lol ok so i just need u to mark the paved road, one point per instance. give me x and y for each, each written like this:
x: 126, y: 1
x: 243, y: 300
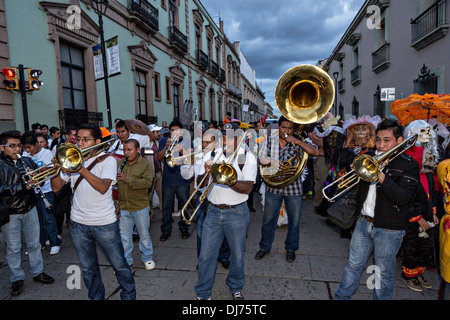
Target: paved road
x: 314, y: 275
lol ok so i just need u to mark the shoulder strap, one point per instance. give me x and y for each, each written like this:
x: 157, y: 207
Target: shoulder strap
x: 92, y: 165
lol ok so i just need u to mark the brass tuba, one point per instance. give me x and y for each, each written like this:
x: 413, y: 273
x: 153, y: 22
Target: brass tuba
x: 304, y: 94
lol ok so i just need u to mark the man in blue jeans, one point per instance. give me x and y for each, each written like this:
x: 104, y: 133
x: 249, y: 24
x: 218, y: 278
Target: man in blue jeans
x: 227, y: 216
x: 93, y: 220
x: 173, y: 183
x: 278, y: 148
x: 383, y: 206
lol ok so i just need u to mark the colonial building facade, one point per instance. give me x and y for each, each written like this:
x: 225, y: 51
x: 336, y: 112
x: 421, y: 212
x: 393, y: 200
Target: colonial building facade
x: 172, y: 60
x: 399, y: 44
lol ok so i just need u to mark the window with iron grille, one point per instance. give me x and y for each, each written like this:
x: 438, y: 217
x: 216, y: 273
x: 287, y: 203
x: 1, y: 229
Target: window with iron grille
x: 141, y: 92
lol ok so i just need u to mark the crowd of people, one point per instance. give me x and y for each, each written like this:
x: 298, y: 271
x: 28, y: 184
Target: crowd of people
x: 110, y: 200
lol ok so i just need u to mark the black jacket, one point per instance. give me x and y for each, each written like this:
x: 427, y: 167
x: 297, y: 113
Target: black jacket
x: 13, y: 191
x: 394, y: 195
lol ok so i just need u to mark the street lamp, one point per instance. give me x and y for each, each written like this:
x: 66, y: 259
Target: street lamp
x: 335, y: 76
x: 100, y: 7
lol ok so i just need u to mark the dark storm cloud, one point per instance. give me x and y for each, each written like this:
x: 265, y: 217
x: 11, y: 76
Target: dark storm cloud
x: 277, y: 35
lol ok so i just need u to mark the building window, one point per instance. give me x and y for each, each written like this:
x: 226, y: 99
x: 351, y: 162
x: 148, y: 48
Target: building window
x: 200, y: 106
x: 141, y: 89
x: 211, y: 106
x: 379, y: 107
x: 157, y: 87
x: 168, y: 96
x: 355, y: 107
x: 176, y: 101
x: 426, y: 81
x: 73, y: 80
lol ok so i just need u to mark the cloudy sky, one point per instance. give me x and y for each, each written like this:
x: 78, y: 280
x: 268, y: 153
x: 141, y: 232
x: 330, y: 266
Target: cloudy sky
x: 277, y: 35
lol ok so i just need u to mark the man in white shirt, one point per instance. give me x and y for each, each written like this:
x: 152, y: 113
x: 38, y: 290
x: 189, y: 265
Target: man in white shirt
x: 227, y: 216
x: 124, y: 133
x: 93, y: 218
x: 43, y: 157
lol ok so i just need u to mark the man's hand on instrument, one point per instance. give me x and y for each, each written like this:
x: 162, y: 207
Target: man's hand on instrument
x: 121, y: 177
x: 208, y: 165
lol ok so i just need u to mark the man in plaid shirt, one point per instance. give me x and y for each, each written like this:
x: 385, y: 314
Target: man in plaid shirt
x: 275, y: 150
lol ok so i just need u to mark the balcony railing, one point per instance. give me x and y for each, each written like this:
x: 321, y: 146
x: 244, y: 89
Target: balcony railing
x: 178, y: 39
x: 215, y: 68
x: 222, y: 75
x: 429, y: 26
x: 341, y: 85
x: 147, y: 119
x: 74, y: 117
x: 380, y: 58
x: 202, y: 59
x: 145, y: 12
x: 356, y: 76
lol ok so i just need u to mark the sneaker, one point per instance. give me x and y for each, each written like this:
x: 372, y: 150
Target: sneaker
x: 16, y: 288
x: 423, y: 282
x: 149, y: 265
x: 238, y: 296
x: 290, y: 256
x: 260, y: 254
x: 184, y: 235
x: 54, y: 250
x: 200, y: 298
x: 413, y: 284
x: 44, y: 278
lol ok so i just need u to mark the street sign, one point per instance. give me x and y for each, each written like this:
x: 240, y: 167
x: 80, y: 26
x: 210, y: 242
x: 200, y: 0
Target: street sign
x: 387, y: 94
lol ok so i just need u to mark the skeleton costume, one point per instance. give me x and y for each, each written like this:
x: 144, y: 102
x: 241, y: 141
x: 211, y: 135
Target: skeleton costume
x: 418, y: 245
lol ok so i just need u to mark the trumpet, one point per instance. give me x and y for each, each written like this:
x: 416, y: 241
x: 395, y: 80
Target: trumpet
x: 169, y: 150
x: 70, y: 158
x: 368, y: 168
x: 221, y: 173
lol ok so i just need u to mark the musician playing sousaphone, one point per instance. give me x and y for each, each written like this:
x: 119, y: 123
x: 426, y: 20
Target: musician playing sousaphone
x: 280, y: 147
x: 93, y: 218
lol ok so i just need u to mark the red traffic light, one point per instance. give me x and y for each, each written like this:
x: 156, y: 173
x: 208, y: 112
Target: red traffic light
x: 9, y: 72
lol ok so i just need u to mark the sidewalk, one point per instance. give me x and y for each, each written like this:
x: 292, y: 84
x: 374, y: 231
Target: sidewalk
x: 314, y: 275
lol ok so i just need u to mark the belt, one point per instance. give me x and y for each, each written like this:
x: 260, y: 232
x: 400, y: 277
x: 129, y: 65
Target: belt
x: 370, y: 219
x: 226, y: 206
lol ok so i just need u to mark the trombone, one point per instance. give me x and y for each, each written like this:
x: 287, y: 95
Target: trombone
x: 221, y: 173
x: 70, y: 158
x: 178, y: 161
x: 368, y: 168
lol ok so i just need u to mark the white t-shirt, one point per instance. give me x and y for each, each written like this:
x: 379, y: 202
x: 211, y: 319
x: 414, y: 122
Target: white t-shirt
x: 222, y: 194
x: 43, y: 158
x: 89, y: 206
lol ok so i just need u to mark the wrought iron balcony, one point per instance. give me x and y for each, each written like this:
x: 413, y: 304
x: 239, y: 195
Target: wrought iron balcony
x: 215, y: 68
x: 341, y: 85
x: 380, y: 58
x: 202, y: 59
x: 147, y: 119
x: 356, y: 76
x: 222, y: 75
x: 74, y: 117
x: 429, y: 26
x: 177, y: 40
x: 145, y: 14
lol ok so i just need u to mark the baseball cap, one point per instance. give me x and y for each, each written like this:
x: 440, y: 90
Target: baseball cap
x: 154, y: 127
x: 229, y: 126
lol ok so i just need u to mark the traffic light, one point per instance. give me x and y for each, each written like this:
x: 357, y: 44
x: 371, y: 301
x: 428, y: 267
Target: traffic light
x: 11, y: 81
x: 33, y: 79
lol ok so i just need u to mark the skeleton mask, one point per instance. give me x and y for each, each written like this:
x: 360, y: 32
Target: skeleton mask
x: 428, y: 162
x: 425, y: 135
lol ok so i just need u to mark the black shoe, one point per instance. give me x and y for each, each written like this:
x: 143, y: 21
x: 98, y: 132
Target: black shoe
x: 225, y: 264
x: 44, y: 278
x: 260, y: 254
x: 290, y: 256
x: 16, y: 288
x: 164, y: 237
x: 184, y: 235
x: 136, y: 237
x: 252, y: 209
x: 238, y: 296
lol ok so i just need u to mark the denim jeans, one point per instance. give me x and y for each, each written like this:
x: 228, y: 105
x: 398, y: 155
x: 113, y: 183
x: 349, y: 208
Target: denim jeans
x: 47, y: 221
x: 224, y: 253
x: 27, y: 225
x: 127, y: 221
x: 85, y: 239
x: 231, y: 223
x: 168, y: 197
x: 272, y: 206
x: 384, y: 244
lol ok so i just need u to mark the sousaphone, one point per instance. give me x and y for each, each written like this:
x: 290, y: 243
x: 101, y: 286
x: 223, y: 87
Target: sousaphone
x: 137, y: 127
x: 304, y: 94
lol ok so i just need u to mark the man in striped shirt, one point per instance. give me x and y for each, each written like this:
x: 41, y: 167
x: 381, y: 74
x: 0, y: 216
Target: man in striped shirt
x: 278, y: 148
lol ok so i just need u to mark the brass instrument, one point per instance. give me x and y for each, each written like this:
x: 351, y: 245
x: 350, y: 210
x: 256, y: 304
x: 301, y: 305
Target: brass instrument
x: 368, y: 168
x: 137, y: 127
x: 178, y: 161
x: 70, y: 158
x: 220, y: 173
x: 304, y: 94
x: 168, y: 152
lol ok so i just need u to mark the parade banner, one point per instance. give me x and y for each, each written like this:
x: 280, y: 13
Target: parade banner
x: 112, y: 58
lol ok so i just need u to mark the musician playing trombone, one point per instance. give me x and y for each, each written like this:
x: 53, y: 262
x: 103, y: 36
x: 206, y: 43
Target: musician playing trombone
x: 276, y: 149
x: 227, y: 216
x: 93, y: 220
x: 383, y: 207
x: 18, y: 197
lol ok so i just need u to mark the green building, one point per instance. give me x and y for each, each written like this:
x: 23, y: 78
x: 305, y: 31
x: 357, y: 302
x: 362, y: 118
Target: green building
x: 166, y: 58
